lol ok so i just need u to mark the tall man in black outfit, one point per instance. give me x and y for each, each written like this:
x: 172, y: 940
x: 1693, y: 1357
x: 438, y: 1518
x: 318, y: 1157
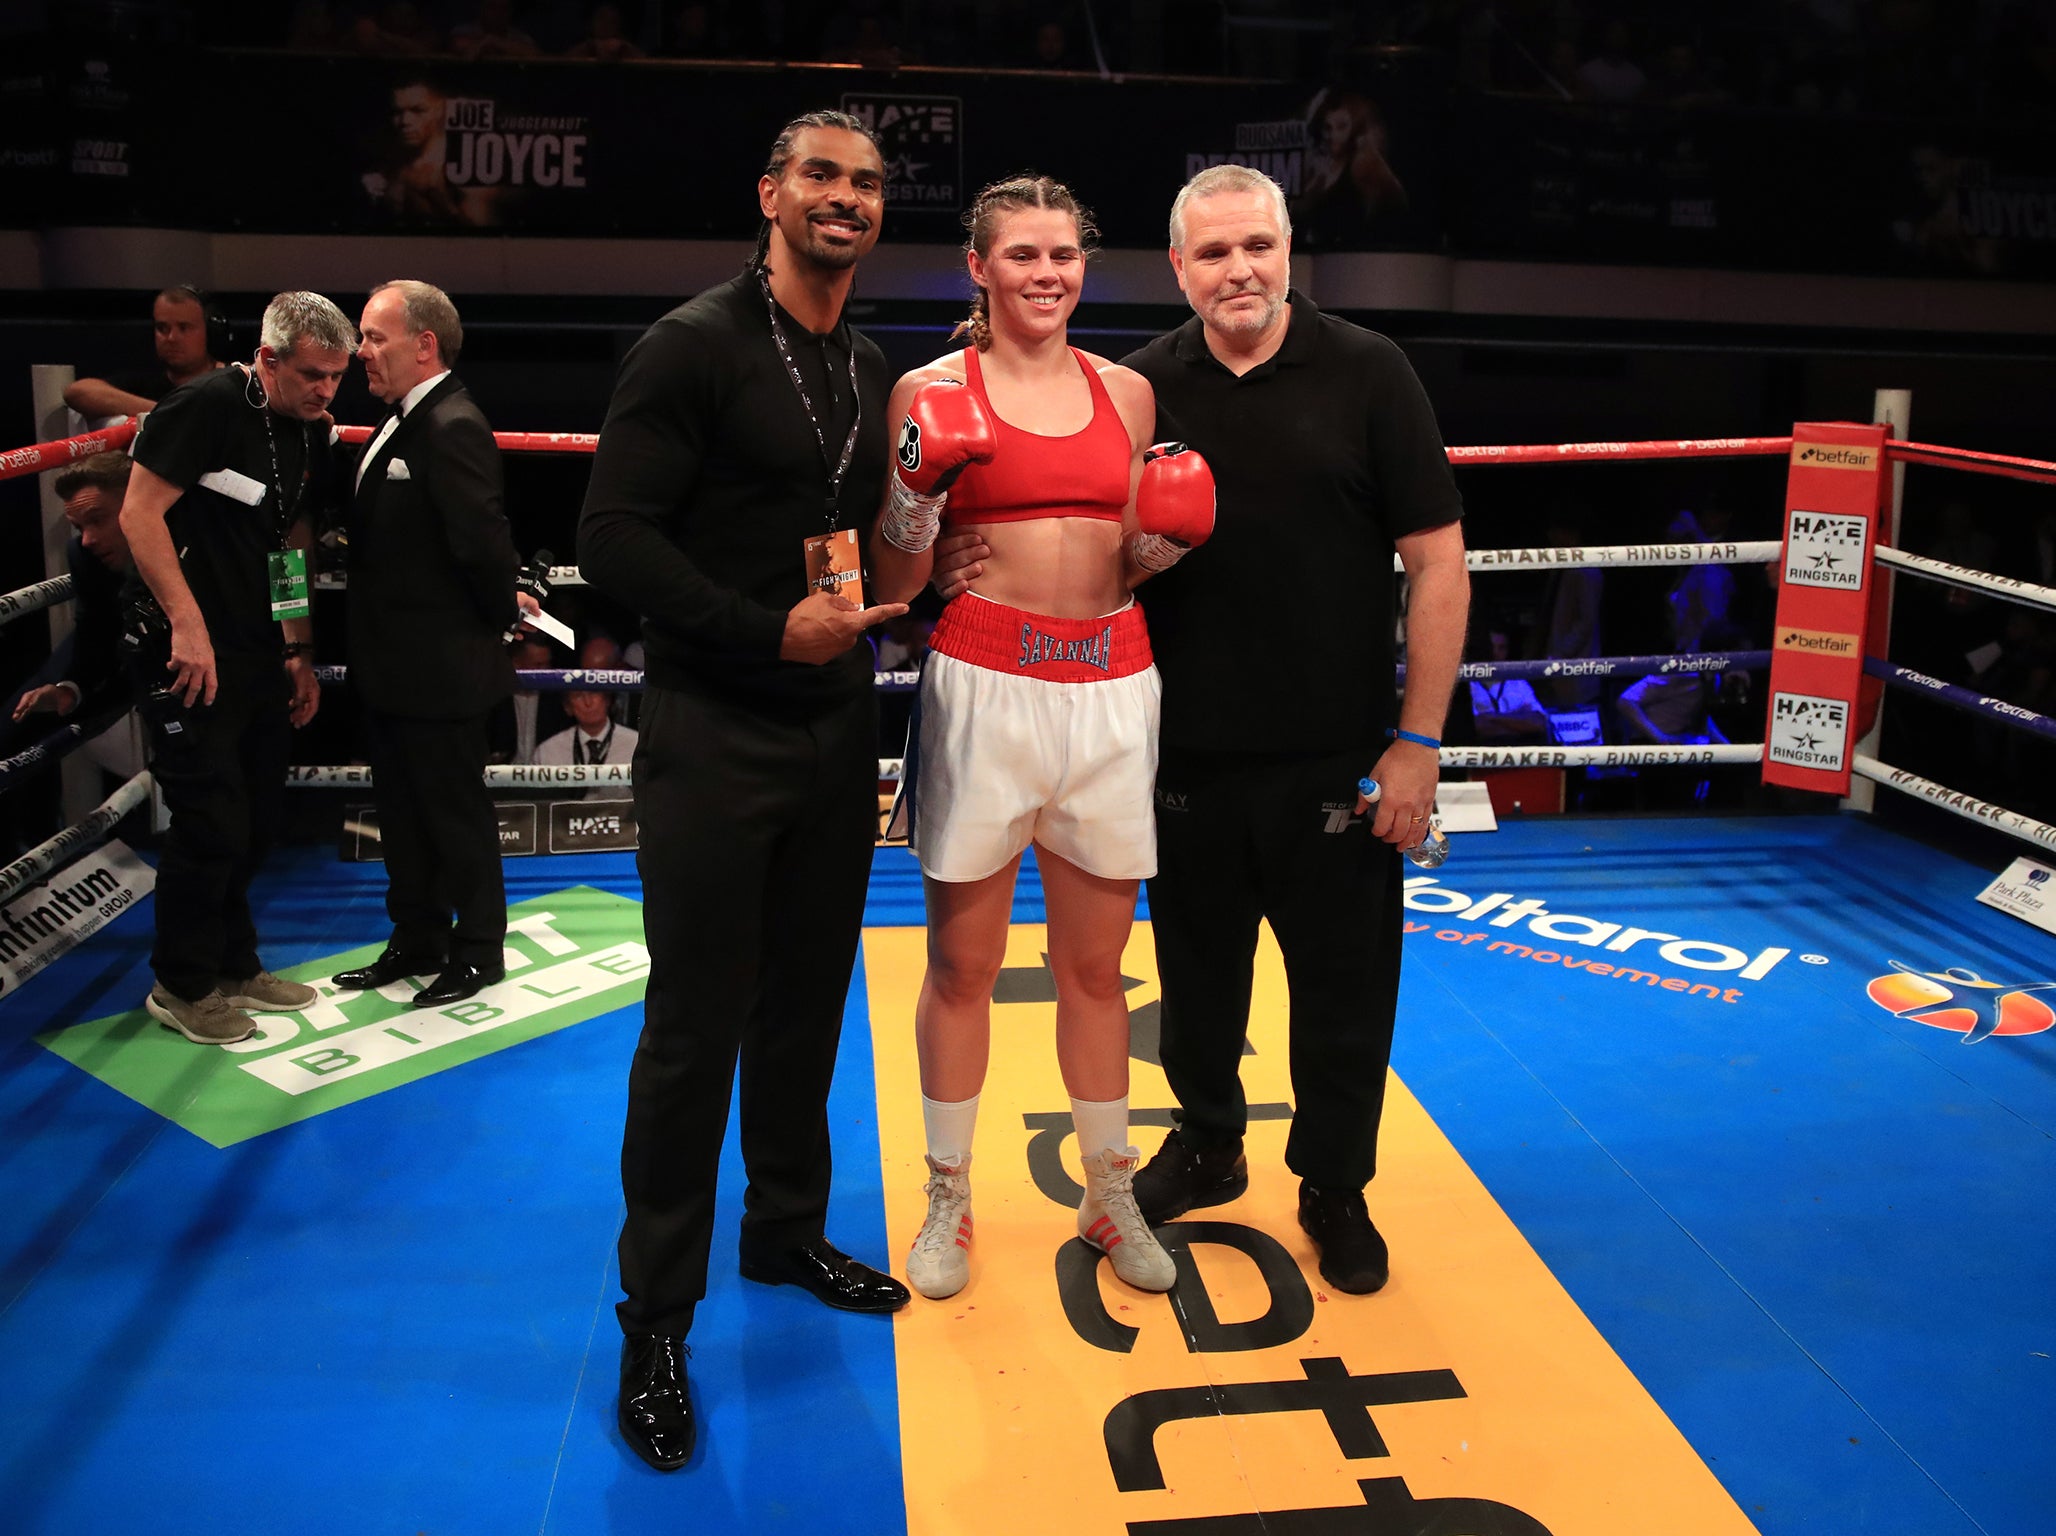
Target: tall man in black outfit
x: 432, y: 570
x: 744, y: 425
x: 1327, y: 458
x: 230, y: 471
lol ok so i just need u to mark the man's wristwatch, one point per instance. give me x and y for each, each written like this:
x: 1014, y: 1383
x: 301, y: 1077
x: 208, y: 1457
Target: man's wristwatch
x: 299, y: 648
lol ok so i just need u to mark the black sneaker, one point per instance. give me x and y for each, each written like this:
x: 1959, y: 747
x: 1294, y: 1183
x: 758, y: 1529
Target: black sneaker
x: 1353, y: 1254
x: 1181, y: 1176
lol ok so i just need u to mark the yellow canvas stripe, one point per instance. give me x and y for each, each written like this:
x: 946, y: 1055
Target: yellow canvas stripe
x: 1471, y: 1377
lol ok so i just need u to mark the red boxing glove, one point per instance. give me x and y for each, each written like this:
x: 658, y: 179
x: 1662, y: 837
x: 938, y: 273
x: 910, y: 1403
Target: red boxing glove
x: 946, y: 428
x: 1174, y: 505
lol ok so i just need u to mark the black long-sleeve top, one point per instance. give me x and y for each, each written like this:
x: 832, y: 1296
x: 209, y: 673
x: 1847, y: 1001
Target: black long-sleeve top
x: 709, y: 477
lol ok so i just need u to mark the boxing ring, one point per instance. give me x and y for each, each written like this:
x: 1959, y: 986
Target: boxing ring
x: 1713, y: 1171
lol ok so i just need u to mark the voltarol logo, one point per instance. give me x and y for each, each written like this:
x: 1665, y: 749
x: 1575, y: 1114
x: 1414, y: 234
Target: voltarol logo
x: 1499, y: 909
x: 1963, y: 1001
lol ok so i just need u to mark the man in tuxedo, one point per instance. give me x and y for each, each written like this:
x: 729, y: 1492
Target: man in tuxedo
x: 432, y: 571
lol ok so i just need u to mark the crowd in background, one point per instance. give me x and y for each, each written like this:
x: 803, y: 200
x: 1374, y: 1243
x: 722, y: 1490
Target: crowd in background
x: 1991, y: 59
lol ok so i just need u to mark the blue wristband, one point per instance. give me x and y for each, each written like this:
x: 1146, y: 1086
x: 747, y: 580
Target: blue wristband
x: 1416, y: 738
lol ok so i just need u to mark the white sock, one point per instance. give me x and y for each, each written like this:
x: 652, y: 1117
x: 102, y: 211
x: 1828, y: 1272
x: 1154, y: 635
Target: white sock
x: 949, y: 1128
x: 1101, y: 1127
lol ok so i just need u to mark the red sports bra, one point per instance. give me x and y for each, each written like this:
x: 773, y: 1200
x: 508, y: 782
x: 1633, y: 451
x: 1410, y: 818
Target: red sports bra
x: 1030, y: 476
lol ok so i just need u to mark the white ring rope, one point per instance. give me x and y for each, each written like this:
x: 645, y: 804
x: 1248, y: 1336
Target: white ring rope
x: 576, y: 775
x: 1648, y: 753
x: 2008, y: 587
x: 1570, y: 557
x: 34, y: 598
x: 1577, y: 557
x: 1967, y: 806
x: 497, y: 776
x: 74, y: 839
x: 560, y: 576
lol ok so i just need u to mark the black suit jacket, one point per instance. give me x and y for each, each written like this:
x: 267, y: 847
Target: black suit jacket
x: 432, y: 566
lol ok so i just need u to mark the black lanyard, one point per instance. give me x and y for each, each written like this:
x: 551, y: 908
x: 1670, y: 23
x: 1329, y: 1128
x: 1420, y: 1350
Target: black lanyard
x: 596, y: 751
x: 835, y: 470
x: 286, y: 512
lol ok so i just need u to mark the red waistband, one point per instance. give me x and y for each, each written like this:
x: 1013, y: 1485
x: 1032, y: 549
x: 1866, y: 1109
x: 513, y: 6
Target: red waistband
x: 992, y: 635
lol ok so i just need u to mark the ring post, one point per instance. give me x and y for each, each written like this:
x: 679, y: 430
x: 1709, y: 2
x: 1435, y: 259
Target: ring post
x: 1820, y: 700
x: 47, y: 383
x: 1892, y: 408
x: 78, y: 776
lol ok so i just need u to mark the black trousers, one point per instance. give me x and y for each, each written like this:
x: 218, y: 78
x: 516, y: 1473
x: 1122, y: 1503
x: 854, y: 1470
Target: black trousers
x: 222, y: 770
x: 440, y: 838
x: 1257, y: 836
x: 756, y: 836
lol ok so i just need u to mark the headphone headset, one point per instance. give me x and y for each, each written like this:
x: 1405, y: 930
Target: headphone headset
x: 220, y: 340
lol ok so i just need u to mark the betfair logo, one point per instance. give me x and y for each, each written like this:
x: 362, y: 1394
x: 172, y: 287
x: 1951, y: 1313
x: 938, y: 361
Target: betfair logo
x: 1833, y: 456
x: 1816, y: 642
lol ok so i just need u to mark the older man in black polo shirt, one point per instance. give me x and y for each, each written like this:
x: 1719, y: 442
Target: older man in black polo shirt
x: 1327, y: 459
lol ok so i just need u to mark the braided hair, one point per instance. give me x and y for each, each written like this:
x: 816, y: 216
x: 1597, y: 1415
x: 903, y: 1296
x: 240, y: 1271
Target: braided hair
x: 781, y: 156
x: 982, y: 221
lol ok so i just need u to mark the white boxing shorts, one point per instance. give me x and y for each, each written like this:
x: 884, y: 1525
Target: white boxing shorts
x: 1035, y: 729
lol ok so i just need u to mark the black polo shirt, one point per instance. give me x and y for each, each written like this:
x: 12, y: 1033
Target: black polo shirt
x: 1277, y: 634
x: 209, y: 439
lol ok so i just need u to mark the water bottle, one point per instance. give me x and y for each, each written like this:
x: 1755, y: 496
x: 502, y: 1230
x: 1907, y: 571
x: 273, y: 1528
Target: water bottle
x: 1433, y: 849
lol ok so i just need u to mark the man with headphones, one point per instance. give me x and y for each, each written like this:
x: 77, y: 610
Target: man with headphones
x: 192, y: 340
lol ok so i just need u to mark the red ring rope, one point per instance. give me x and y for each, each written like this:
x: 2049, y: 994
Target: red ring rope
x: 510, y: 442
x: 65, y: 450
x: 1977, y: 463
x: 1665, y: 448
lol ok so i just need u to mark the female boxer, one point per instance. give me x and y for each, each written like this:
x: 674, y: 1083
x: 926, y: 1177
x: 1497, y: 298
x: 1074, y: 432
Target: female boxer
x: 1037, y: 719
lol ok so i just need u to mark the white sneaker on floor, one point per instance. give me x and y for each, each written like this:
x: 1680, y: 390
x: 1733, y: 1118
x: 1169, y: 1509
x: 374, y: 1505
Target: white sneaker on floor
x: 940, y: 1263
x: 1111, y: 1222
x: 265, y: 992
x: 210, y: 1021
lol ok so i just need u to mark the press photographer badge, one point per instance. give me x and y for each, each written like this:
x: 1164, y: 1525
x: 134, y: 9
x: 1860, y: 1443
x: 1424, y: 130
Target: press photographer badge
x: 288, y: 571
x: 833, y: 566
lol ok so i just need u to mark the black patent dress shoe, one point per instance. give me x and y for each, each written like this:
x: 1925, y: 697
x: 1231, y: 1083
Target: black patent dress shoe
x: 655, y: 1413
x: 1182, y: 1176
x: 1353, y: 1253
x: 457, y: 982
x: 389, y: 967
x: 837, y: 1279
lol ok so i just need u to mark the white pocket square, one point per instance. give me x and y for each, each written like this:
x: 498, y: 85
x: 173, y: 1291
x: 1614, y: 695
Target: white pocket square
x: 396, y: 469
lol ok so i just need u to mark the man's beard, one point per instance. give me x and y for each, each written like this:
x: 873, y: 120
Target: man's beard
x: 818, y: 249
x: 1246, y: 323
